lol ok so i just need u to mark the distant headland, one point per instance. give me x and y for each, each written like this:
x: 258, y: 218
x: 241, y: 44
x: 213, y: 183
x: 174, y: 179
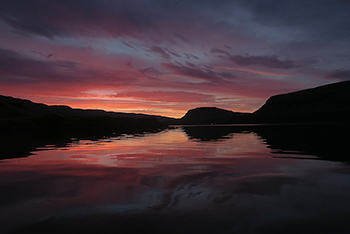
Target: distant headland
x: 323, y: 104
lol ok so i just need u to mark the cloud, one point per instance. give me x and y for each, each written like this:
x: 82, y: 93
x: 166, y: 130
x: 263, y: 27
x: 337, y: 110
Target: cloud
x: 182, y: 20
x: 173, y: 53
x: 227, y: 75
x: 127, y: 44
x: 150, y: 70
x: 159, y: 51
x: 16, y: 67
x: 152, y: 20
x: 265, y: 61
x: 169, y: 96
x: 320, y: 21
x: 190, y: 64
x: 339, y: 75
x: 65, y: 18
x: 197, y: 72
x: 189, y: 56
x: 156, y: 44
x: 215, y: 50
x: 191, y: 72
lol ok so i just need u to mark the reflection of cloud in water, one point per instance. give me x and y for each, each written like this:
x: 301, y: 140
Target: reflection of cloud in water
x: 167, y: 180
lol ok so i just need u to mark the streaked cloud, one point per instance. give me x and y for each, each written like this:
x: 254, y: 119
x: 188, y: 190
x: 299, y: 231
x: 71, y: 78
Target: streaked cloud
x: 215, y: 50
x: 265, y: 61
x: 339, y: 74
x: 159, y: 51
x: 198, y: 72
x: 166, y: 56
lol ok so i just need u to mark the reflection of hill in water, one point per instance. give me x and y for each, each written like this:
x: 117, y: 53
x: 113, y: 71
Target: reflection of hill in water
x: 20, y: 137
x: 329, y: 141
x: 209, y: 133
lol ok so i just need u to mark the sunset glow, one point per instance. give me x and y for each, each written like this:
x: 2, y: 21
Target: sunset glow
x: 166, y: 57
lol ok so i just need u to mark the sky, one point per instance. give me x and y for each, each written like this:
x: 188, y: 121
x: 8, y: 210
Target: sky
x: 164, y: 57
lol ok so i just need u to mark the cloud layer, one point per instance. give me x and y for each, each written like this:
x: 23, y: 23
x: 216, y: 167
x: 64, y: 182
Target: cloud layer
x: 165, y: 57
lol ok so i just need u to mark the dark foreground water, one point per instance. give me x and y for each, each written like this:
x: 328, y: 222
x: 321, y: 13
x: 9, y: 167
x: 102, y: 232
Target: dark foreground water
x: 228, y: 179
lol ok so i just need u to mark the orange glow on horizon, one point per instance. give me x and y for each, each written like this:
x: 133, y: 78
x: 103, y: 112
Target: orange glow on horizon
x: 138, y: 103
x: 173, y: 110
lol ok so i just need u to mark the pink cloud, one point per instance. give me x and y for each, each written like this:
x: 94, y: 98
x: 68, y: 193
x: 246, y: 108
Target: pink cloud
x: 265, y: 61
x: 169, y: 96
x: 339, y: 74
x: 159, y: 51
x: 193, y: 71
x: 159, y: 56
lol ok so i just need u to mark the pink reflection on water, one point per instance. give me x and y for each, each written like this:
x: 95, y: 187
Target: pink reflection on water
x: 168, y: 147
x: 165, y: 172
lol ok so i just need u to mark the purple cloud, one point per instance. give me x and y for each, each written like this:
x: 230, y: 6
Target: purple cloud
x: 16, y: 66
x: 339, y: 75
x: 189, y: 56
x: 159, y: 51
x: 194, y: 71
x: 103, y: 44
x: 66, y: 18
x: 150, y: 70
x: 215, y: 50
x: 265, y: 61
x: 173, y: 53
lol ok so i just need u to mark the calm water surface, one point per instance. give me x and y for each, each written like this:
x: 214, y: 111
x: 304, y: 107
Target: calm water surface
x: 182, y: 180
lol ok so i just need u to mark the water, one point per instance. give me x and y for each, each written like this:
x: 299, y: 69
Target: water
x: 228, y: 179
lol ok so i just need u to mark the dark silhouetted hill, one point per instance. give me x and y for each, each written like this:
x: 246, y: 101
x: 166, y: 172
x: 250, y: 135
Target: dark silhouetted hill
x: 328, y: 103
x: 14, y: 107
x: 323, y: 104
x: 212, y: 115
